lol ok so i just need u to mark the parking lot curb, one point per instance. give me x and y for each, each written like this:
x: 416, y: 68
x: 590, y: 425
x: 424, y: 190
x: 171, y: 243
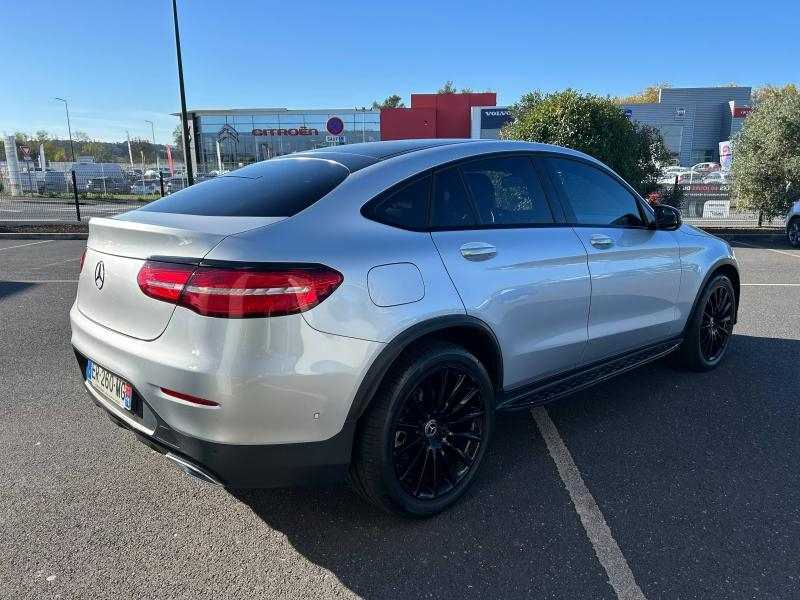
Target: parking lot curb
x: 769, y: 238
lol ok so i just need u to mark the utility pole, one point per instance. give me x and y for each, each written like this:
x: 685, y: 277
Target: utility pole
x: 155, y: 149
x: 184, y: 118
x: 69, y: 129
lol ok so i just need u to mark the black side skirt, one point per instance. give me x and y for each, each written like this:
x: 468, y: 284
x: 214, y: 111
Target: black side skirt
x: 552, y: 388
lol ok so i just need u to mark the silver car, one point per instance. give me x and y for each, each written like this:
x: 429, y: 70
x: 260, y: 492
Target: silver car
x: 363, y: 311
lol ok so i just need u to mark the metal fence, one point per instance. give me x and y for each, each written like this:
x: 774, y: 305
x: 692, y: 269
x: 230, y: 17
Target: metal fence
x: 90, y: 190
x: 87, y: 190
x: 710, y: 205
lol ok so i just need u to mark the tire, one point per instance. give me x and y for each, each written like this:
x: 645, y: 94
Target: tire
x: 422, y: 441
x: 709, y: 330
x: 793, y: 232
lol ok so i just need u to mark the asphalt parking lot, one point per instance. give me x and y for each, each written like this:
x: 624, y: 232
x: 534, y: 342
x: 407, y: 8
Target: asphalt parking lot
x: 694, y: 477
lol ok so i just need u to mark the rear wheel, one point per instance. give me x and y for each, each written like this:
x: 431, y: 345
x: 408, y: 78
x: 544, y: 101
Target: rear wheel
x: 423, y: 439
x: 709, y: 331
x: 793, y: 232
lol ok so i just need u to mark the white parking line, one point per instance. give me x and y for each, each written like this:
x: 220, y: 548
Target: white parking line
x: 23, y: 245
x: 770, y: 249
x: 774, y: 284
x: 38, y: 281
x: 620, y: 576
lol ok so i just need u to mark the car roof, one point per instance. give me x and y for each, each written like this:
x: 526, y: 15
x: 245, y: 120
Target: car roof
x: 355, y: 157
x: 358, y: 156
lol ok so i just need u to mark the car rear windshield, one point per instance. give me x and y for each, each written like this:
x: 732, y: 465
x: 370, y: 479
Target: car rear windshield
x: 273, y: 188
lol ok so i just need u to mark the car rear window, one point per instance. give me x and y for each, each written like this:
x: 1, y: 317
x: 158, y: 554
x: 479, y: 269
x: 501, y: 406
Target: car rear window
x: 273, y: 188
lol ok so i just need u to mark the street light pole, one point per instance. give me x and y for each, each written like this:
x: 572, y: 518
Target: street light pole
x: 184, y: 118
x: 69, y: 129
x: 155, y: 149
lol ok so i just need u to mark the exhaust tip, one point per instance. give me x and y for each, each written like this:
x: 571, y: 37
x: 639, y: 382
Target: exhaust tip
x: 191, y: 470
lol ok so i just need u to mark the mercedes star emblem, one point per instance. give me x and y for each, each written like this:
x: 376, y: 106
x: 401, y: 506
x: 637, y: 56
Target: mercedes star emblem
x: 99, y: 275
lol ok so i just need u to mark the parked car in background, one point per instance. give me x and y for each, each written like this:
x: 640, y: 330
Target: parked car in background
x: 107, y: 185
x: 174, y: 184
x: 720, y: 177
x: 673, y: 170
x: 364, y: 310
x: 793, y: 225
x: 146, y: 187
x: 56, y: 182
x: 669, y: 177
x: 705, y: 167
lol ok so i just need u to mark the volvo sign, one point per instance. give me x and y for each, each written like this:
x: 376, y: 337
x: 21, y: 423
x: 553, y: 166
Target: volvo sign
x: 488, y: 120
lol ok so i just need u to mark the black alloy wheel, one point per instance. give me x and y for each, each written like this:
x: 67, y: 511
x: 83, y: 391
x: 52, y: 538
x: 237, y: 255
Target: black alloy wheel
x: 422, y: 441
x: 793, y: 233
x: 717, y: 323
x: 708, y: 332
x: 438, y: 433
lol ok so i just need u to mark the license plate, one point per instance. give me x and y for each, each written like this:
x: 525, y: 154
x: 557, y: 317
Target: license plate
x: 111, y: 386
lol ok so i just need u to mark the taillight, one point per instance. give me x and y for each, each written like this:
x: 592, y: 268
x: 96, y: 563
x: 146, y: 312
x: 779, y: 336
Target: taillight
x: 237, y: 293
x: 163, y: 281
x: 83, y: 259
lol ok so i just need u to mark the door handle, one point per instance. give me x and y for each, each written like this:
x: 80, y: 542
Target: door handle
x: 600, y: 241
x: 478, y: 251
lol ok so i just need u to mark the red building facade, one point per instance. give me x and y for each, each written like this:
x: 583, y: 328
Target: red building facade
x: 433, y: 116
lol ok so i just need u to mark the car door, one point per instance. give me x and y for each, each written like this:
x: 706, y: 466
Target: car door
x: 514, y: 266
x: 635, y: 268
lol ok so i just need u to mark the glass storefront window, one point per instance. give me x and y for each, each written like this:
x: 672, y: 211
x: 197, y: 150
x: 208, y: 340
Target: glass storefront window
x: 247, y: 138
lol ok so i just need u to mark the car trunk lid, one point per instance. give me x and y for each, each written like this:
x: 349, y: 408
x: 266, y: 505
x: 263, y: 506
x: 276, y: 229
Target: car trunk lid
x: 108, y: 292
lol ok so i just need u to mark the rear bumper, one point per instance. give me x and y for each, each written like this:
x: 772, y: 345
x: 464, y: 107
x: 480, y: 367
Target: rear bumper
x: 277, y: 381
x: 235, y: 465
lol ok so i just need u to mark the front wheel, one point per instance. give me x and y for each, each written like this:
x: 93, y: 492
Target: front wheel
x: 424, y: 437
x: 708, y: 333
x: 793, y: 233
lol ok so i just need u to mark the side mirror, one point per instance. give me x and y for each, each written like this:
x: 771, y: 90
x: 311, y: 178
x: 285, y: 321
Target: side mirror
x: 668, y: 218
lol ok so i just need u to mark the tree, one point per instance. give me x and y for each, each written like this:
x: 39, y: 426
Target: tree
x: 593, y: 125
x: 767, y: 90
x: 177, y: 142
x: 448, y: 88
x: 139, y: 145
x: 100, y: 150
x: 393, y: 101
x: 649, y: 94
x: 467, y: 90
x: 80, y: 136
x: 766, y: 166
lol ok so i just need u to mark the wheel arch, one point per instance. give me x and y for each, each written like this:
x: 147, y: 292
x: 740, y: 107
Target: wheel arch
x: 725, y: 267
x: 466, y: 331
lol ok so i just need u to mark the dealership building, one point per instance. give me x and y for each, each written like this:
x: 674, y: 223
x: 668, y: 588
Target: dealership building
x: 226, y: 139
x: 236, y: 137
x: 693, y: 121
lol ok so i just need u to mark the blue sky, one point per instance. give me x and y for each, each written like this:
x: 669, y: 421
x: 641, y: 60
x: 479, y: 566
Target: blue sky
x: 114, y: 60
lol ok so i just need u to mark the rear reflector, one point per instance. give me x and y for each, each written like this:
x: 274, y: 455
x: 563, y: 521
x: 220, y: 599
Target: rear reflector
x: 83, y: 260
x: 188, y: 398
x: 239, y: 293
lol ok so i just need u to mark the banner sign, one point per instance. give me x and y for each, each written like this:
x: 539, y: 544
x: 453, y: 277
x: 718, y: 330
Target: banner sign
x: 725, y: 155
x: 169, y: 161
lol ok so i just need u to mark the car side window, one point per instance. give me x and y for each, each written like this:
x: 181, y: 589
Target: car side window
x: 595, y: 197
x: 451, y: 207
x: 506, y: 191
x: 406, y: 207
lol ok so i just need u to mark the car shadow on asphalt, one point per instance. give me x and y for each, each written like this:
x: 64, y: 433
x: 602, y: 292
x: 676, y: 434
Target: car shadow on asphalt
x: 516, y: 533
x: 9, y: 288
